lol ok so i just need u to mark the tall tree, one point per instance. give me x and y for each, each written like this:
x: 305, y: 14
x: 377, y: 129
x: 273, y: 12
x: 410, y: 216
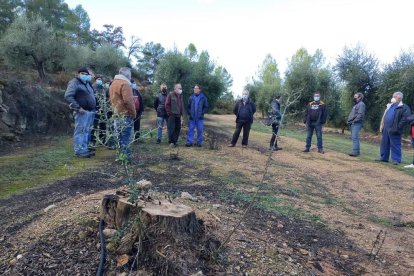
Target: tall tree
x: 53, y: 11
x: 33, y: 43
x: 148, y: 60
x: 77, y: 26
x: 110, y: 35
x: 271, y: 83
x: 360, y: 72
x: 8, y: 12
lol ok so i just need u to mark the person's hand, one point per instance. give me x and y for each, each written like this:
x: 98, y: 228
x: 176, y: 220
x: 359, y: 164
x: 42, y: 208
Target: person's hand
x: 82, y: 111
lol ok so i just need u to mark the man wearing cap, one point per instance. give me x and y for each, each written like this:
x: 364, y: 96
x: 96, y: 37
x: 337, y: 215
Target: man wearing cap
x: 81, y: 98
x: 120, y: 93
x: 315, y: 118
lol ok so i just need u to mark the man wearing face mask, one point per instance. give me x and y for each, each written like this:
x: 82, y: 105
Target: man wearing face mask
x: 355, y: 120
x: 244, y: 110
x: 392, y: 127
x: 174, y: 107
x: 80, y: 95
x: 196, y: 108
x: 315, y: 117
x: 139, y: 107
x: 159, y: 106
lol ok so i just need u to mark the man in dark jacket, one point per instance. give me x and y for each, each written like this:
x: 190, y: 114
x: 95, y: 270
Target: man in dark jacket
x: 244, y: 110
x: 411, y: 121
x: 196, y: 108
x: 174, y: 107
x: 80, y: 95
x: 355, y: 120
x: 139, y: 107
x: 159, y: 106
x: 392, y: 127
x: 315, y: 118
x: 276, y: 117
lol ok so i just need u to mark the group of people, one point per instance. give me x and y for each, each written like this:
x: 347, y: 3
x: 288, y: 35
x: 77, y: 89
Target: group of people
x: 107, y: 111
x: 96, y: 105
x: 396, y: 116
x: 89, y: 105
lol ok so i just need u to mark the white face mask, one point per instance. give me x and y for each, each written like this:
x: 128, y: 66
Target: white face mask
x: 393, y: 100
x: 180, y: 91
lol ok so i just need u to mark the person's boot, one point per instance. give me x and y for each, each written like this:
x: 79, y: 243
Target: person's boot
x: 306, y: 150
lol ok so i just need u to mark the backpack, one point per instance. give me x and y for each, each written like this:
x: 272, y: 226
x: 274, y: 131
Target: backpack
x: 137, y: 103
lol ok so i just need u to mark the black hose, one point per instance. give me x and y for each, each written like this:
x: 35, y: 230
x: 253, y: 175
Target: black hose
x: 100, y: 271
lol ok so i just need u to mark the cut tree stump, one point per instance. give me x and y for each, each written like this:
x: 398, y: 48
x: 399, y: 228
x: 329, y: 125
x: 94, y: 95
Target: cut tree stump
x: 161, y: 216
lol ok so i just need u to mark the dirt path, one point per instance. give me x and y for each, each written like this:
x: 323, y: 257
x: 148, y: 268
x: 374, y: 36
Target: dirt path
x: 316, y: 214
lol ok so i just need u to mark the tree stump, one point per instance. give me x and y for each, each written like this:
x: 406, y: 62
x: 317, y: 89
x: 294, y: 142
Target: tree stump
x: 161, y: 216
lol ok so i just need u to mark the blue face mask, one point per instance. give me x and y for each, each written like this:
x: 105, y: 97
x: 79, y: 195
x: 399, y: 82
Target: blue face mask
x: 99, y: 82
x: 245, y: 97
x: 134, y: 86
x: 85, y: 78
x: 316, y: 99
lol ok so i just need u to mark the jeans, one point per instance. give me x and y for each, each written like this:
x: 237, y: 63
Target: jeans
x: 160, y: 125
x: 318, y: 130
x: 81, y: 136
x: 355, y: 128
x: 390, y: 142
x: 246, y: 130
x: 124, y: 129
x: 174, y: 128
x: 191, y: 126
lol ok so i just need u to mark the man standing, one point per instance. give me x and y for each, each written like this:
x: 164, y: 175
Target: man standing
x: 120, y: 93
x: 139, y: 107
x: 174, y: 108
x: 355, y: 120
x: 315, y: 117
x: 392, y: 127
x: 244, y: 110
x: 80, y: 96
x: 196, y: 108
x: 276, y: 116
x: 162, y: 116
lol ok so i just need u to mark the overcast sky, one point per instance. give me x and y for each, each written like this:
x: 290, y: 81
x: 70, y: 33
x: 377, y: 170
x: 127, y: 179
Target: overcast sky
x: 238, y: 34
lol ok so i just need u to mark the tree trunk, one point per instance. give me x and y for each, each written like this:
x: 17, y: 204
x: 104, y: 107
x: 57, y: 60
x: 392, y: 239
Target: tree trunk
x: 162, y: 216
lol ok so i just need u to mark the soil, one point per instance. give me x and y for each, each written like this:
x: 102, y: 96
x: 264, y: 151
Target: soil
x: 352, y: 202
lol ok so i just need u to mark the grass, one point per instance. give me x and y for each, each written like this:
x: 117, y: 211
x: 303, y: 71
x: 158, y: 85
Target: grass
x: 40, y: 165
x: 382, y: 221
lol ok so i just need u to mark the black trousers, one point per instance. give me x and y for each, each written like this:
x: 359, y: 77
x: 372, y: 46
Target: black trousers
x: 246, y: 130
x: 273, y: 140
x: 174, y: 128
x: 137, y: 127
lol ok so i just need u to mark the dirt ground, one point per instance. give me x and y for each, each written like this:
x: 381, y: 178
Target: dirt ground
x: 316, y: 214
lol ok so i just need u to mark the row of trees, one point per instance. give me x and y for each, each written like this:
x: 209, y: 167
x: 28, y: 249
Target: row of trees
x: 355, y: 71
x: 51, y: 38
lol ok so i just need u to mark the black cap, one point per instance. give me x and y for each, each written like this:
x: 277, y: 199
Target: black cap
x: 83, y: 70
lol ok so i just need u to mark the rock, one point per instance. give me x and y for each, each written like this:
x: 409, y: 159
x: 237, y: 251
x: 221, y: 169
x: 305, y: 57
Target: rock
x: 186, y: 195
x: 19, y: 256
x: 290, y: 260
x: 303, y: 251
x: 237, y: 268
x: 200, y: 273
x: 108, y: 232
x: 284, y: 244
x: 98, y: 245
x: 143, y: 184
x: 49, y: 207
x: 280, y: 226
x: 82, y: 235
x: 216, y: 206
x: 344, y: 256
x: 12, y: 262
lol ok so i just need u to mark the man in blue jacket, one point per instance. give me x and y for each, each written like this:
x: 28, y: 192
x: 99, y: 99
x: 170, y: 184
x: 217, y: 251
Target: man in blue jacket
x: 196, y: 108
x: 81, y: 98
x: 392, y: 127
